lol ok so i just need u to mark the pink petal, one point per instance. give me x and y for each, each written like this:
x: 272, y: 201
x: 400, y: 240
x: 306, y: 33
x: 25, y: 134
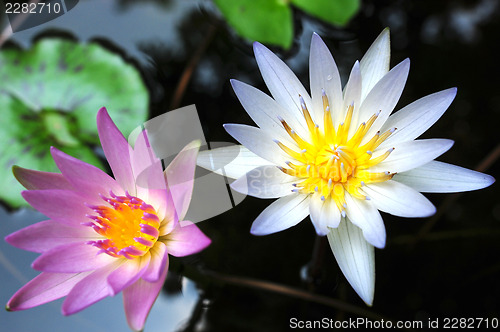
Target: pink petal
x: 44, y: 288
x: 36, y: 180
x: 159, y: 258
x: 72, y: 258
x: 64, y: 206
x: 128, y: 273
x: 46, y: 235
x: 148, y: 173
x: 91, y: 289
x: 180, y: 177
x: 86, y: 178
x: 143, y: 155
x: 157, y: 194
x: 139, y: 298
x: 186, y: 239
x: 116, y: 149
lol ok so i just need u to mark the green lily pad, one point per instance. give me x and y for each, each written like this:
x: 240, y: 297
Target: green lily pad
x: 337, y: 12
x: 50, y: 95
x: 266, y: 21
x: 270, y: 21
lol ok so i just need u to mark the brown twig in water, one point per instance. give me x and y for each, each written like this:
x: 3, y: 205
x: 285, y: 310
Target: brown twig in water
x: 188, y: 71
x: 294, y: 292
x: 7, y: 264
x: 486, y: 163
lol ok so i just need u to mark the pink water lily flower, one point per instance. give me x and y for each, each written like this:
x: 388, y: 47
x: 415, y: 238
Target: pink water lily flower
x: 107, y: 235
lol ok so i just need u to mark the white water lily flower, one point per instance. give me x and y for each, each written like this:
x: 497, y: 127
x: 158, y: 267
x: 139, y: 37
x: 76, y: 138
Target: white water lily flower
x: 339, y: 156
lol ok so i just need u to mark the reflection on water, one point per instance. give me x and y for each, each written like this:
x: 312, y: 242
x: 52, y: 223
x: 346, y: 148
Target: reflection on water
x: 147, y: 22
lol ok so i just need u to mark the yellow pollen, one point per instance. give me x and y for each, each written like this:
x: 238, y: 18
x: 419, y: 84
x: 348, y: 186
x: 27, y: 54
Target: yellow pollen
x: 129, y: 225
x: 329, y: 161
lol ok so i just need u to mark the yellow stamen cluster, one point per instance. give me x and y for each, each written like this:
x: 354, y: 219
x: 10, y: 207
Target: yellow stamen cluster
x: 329, y: 162
x: 129, y: 225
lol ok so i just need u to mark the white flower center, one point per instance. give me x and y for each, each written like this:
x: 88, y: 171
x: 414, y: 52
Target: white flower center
x: 330, y: 162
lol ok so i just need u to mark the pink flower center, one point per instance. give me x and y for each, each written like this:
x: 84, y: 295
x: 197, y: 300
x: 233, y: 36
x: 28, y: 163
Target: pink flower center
x: 129, y: 225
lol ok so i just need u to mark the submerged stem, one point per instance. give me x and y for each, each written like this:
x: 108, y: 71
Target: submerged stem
x: 294, y: 292
x: 188, y: 71
x: 314, y: 268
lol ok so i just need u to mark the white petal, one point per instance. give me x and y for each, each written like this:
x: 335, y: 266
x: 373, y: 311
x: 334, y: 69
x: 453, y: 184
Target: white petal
x: 375, y: 62
x: 284, y: 86
x: 439, y: 177
x: 324, y: 214
x: 257, y: 141
x: 409, y: 155
x: 265, y: 182
x: 364, y: 215
x: 400, y: 200
x: 356, y: 258
x: 323, y: 74
x: 383, y: 97
x: 352, y: 94
x: 265, y: 111
x: 414, y: 119
x: 231, y: 161
x: 284, y: 213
